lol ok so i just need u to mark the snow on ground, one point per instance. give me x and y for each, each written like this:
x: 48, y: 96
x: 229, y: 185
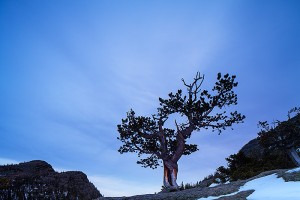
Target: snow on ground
x: 269, y: 188
x: 214, y: 184
x: 213, y: 198
x: 294, y: 170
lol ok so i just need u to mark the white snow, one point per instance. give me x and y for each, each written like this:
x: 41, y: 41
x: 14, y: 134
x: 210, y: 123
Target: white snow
x: 217, y: 184
x: 269, y: 188
x: 214, y: 184
x: 213, y: 198
x: 294, y: 170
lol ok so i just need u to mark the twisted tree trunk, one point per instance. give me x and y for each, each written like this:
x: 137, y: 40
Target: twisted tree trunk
x: 170, y: 175
x: 170, y: 164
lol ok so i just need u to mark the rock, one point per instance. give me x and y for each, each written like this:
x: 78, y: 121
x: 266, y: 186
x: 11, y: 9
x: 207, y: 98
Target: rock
x: 38, y: 180
x: 253, y: 149
x: 189, y: 194
x: 291, y: 176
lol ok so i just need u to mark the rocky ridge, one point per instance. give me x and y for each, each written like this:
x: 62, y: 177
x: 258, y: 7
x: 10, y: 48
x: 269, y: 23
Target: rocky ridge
x: 38, y: 180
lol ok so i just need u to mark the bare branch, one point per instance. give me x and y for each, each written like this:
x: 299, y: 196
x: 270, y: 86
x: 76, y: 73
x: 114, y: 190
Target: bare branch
x: 162, y: 139
x: 180, y: 144
x: 178, y: 130
x: 193, y: 92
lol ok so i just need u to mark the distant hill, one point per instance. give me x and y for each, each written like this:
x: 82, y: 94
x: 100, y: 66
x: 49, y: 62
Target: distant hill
x: 38, y: 180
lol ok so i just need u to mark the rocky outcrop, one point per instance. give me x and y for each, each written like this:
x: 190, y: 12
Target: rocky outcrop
x: 38, y: 180
x: 253, y: 149
x: 230, y: 189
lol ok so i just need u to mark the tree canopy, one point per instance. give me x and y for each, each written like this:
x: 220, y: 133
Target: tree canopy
x: 201, y: 108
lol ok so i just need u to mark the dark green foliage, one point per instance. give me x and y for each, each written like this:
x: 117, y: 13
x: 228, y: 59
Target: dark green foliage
x: 189, y: 185
x: 197, y: 103
x: 283, y: 134
x: 275, y: 140
x: 241, y: 167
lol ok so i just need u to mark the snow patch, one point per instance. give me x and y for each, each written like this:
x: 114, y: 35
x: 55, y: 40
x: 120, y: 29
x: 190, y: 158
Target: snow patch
x: 268, y: 188
x: 213, y: 198
x: 294, y: 170
x: 214, y: 184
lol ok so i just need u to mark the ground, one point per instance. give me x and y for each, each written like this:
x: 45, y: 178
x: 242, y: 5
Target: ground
x: 275, y: 185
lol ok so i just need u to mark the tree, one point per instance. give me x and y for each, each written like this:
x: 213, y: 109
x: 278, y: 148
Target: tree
x: 241, y: 167
x: 283, y: 135
x: 201, y: 110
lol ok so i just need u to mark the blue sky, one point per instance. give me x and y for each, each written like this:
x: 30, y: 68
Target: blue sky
x: 70, y: 70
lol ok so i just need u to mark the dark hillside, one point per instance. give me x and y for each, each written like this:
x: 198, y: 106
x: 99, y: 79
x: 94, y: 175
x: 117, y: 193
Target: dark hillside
x: 38, y: 180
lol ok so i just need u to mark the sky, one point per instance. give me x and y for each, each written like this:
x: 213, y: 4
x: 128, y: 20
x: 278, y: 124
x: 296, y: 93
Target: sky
x: 70, y: 70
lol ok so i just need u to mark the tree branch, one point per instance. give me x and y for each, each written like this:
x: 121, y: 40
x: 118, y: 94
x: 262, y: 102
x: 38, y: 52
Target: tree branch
x: 192, y: 85
x: 141, y: 150
x: 162, y: 140
x: 180, y: 144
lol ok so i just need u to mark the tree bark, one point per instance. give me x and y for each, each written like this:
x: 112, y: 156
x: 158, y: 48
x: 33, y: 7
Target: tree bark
x: 294, y: 156
x: 170, y: 164
x: 170, y: 175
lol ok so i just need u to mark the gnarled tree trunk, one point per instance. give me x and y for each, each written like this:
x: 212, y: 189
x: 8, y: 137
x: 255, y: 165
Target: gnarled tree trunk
x: 170, y: 164
x: 170, y: 175
x: 294, y: 156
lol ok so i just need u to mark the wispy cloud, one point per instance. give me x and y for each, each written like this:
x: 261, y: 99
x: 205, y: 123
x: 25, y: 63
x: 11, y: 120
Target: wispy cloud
x: 79, y: 72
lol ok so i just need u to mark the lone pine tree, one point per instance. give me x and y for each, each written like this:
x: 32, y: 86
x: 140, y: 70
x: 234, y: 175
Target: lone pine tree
x: 201, y: 109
